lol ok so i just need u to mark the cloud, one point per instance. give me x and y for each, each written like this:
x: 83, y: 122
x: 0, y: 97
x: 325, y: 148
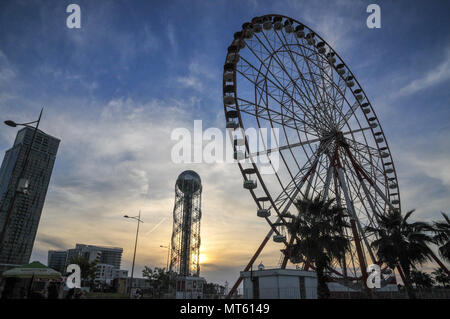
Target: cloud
x: 435, y: 76
x: 7, y: 72
x: 200, y: 74
x: 54, y: 242
x: 334, y: 22
x: 424, y: 173
x: 114, y: 160
x: 172, y: 38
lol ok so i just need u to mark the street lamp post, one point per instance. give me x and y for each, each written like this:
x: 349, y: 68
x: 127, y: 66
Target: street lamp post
x: 138, y: 218
x: 21, y: 175
x: 168, y: 252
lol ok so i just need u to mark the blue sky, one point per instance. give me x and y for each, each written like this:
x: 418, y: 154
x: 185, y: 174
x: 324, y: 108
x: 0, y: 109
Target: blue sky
x: 114, y: 89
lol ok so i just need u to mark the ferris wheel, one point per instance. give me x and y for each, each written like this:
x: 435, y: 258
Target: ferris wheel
x: 280, y: 74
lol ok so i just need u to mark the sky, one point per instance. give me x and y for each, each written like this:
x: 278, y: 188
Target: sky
x: 114, y: 90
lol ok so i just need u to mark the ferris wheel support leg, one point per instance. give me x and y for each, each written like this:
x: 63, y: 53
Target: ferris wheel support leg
x: 308, y: 186
x: 327, y: 182
x: 291, y: 240
x: 250, y: 263
x: 436, y: 259
x: 360, y: 173
x: 401, y: 273
x: 371, y: 182
x: 339, y: 204
x: 366, y: 191
x: 372, y: 206
x: 362, y: 262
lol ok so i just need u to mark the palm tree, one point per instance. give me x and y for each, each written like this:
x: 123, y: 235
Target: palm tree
x: 440, y: 276
x: 422, y: 279
x: 401, y: 243
x: 442, y: 236
x: 318, y: 228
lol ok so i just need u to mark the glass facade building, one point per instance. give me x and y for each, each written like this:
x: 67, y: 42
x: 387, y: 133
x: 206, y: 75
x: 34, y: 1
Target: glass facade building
x: 23, y: 191
x: 57, y: 260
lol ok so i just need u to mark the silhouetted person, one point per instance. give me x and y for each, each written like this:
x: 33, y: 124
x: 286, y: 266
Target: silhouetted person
x: 52, y: 291
x: 70, y: 293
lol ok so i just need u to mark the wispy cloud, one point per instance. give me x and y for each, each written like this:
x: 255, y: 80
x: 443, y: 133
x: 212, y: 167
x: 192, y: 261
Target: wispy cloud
x: 435, y: 76
x: 7, y: 72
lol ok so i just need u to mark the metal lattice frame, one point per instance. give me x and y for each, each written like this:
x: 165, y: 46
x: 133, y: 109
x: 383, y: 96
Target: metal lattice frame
x: 185, y: 245
x: 280, y: 74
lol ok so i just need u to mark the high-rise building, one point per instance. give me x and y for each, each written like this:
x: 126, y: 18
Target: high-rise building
x: 103, y: 255
x: 57, y: 260
x: 22, y: 192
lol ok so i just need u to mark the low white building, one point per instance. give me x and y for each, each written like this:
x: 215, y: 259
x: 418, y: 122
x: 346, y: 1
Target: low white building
x: 104, y: 273
x: 279, y: 284
x: 297, y: 284
x: 190, y: 287
x: 107, y: 273
x: 120, y: 273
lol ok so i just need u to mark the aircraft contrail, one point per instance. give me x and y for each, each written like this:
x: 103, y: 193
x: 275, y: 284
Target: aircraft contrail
x: 156, y: 226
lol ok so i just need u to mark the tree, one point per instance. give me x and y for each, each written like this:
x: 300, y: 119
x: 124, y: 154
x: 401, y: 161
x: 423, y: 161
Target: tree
x: 401, y: 243
x: 213, y: 290
x: 441, y: 277
x: 88, y: 269
x: 442, y: 236
x: 160, y: 279
x: 319, y: 227
x: 421, y: 279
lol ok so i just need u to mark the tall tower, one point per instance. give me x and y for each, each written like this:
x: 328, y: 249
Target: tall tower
x: 185, y: 252
x: 19, y: 219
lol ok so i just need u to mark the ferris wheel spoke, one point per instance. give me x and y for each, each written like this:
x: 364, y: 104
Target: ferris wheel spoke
x: 300, y: 73
x: 339, y: 88
x: 327, y: 182
x: 284, y: 147
x: 356, y: 225
x: 352, y: 182
x: 337, y: 105
x: 331, y: 100
x: 269, y: 114
x: 290, y: 146
x: 283, y: 68
x: 349, y: 114
x: 307, y: 59
x: 258, y: 85
x: 317, y: 88
x: 365, y: 175
x: 293, y: 188
x: 278, y: 85
x: 362, y: 151
x: 360, y: 147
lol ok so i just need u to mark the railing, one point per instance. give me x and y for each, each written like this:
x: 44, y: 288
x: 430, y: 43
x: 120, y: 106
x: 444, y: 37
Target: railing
x: 311, y: 293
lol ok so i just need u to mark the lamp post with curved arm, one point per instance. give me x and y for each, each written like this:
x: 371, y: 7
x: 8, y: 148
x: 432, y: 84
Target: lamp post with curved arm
x: 168, y: 253
x: 138, y: 219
